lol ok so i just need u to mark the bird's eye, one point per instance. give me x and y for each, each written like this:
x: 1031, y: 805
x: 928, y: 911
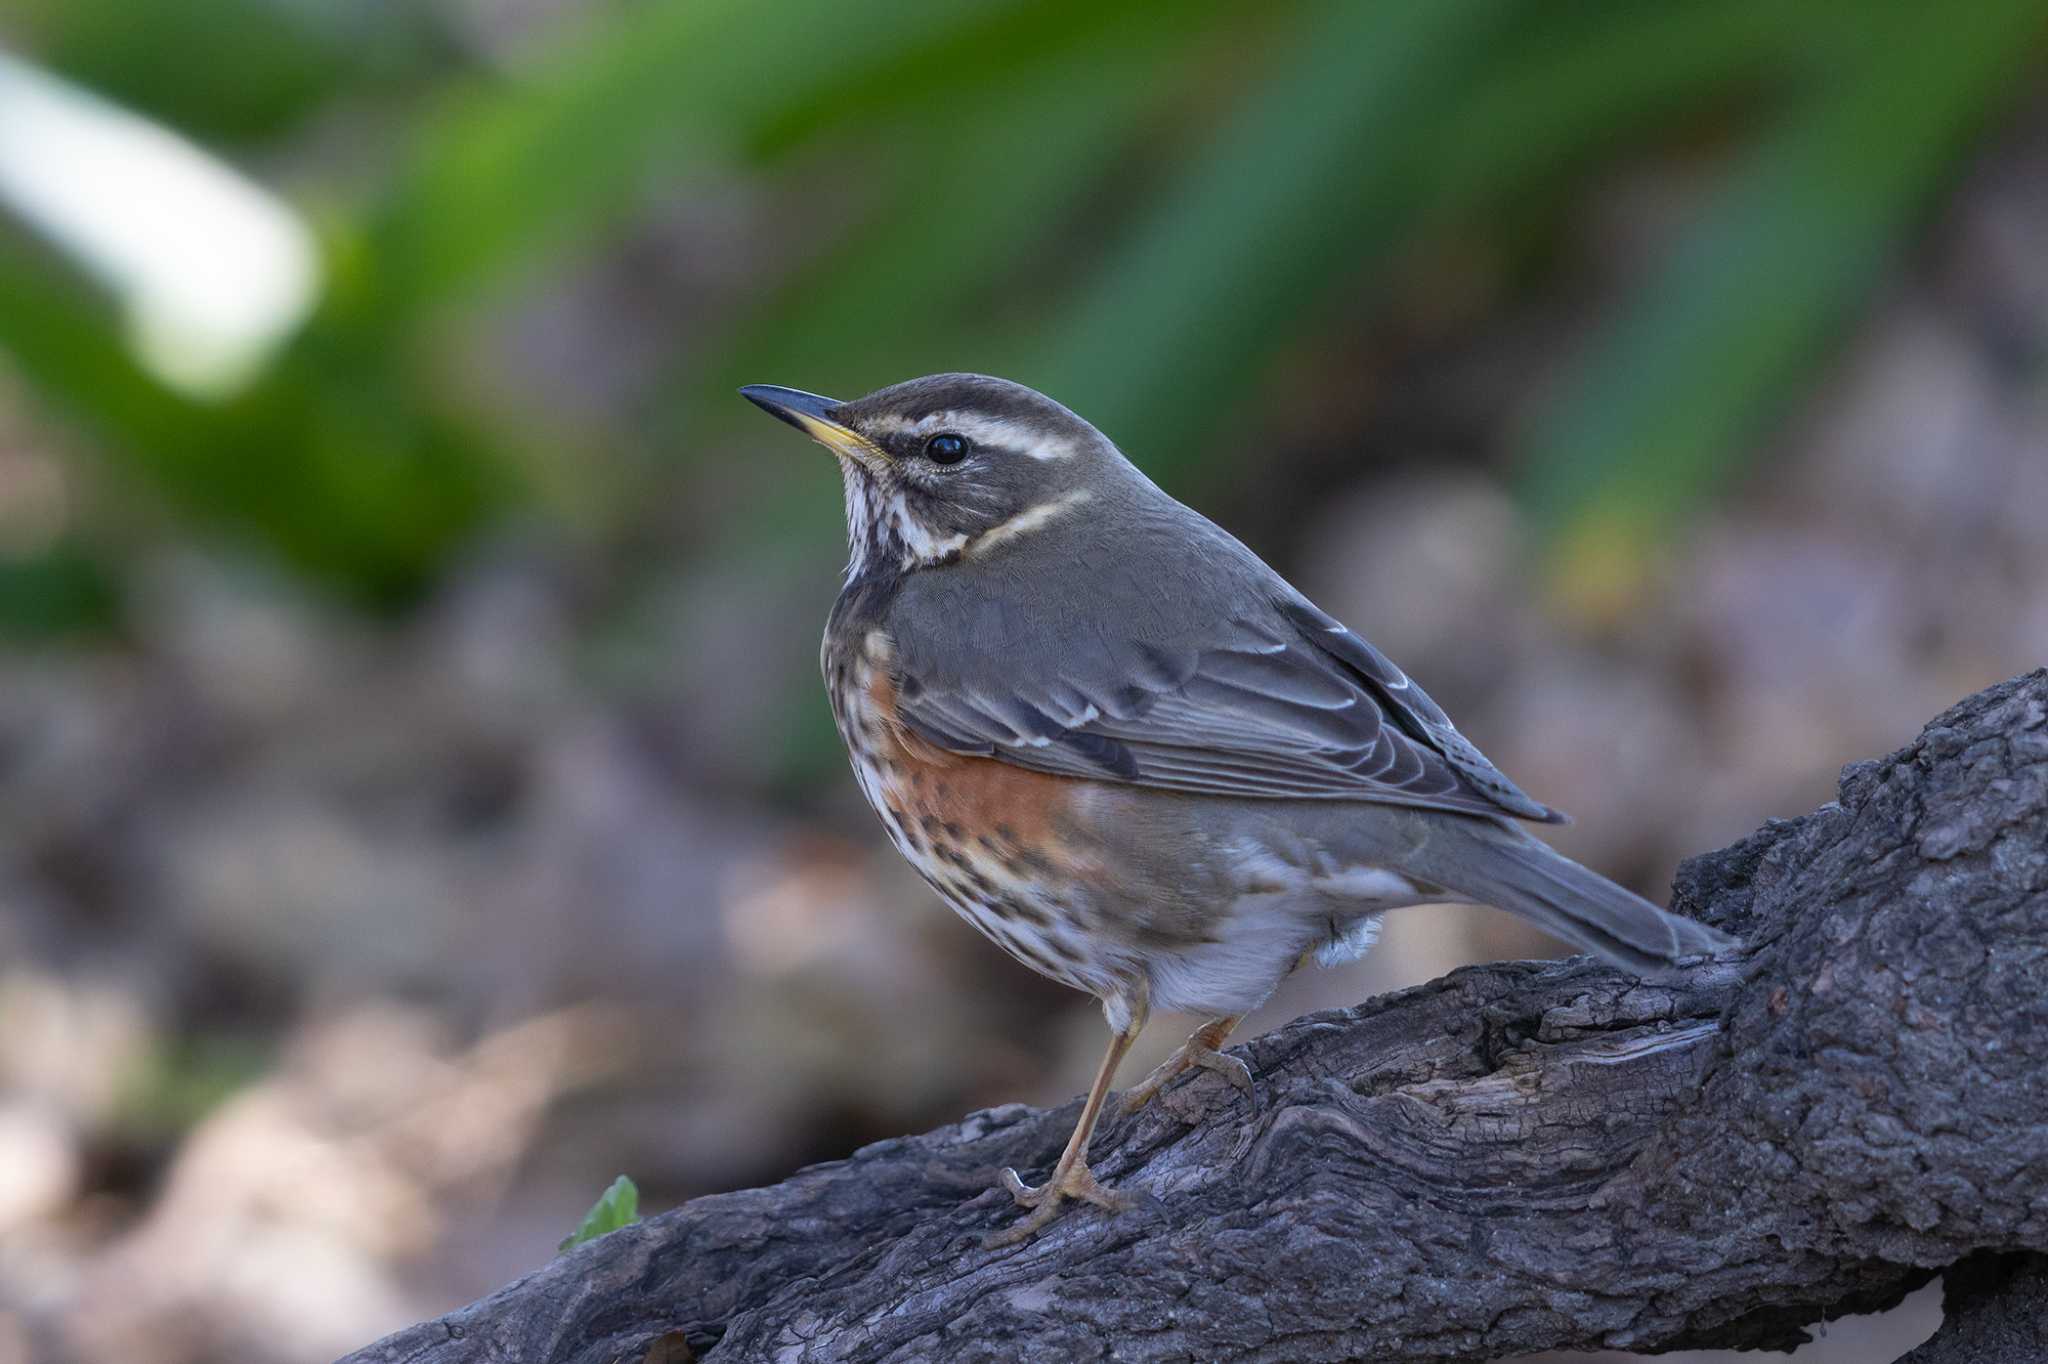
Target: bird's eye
x: 946, y: 448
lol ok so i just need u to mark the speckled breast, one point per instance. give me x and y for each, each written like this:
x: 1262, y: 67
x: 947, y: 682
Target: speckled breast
x: 992, y: 839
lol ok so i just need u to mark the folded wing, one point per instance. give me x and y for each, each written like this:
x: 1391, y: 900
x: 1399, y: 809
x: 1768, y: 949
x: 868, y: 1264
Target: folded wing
x: 1278, y: 702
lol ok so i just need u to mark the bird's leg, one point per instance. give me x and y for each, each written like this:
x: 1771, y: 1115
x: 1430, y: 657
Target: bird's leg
x: 1071, y: 1177
x: 1201, y: 1049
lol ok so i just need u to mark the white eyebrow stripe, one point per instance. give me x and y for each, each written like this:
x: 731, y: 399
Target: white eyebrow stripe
x: 982, y: 430
x: 1028, y: 520
x: 1006, y: 435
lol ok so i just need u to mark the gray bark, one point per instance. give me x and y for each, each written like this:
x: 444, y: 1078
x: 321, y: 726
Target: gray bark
x: 1517, y: 1157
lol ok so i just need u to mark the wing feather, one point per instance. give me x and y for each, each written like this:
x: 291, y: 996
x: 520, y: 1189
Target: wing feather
x: 1286, y: 703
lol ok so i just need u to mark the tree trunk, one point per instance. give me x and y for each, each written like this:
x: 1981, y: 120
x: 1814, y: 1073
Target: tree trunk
x: 1518, y: 1157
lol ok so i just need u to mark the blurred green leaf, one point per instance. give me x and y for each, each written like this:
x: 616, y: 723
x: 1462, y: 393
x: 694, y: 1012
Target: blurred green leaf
x: 55, y: 593
x: 1662, y: 408
x: 1569, y: 93
x: 508, y: 174
x: 947, y: 76
x: 227, y: 70
x: 618, y: 1206
x: 339, y: 457
x: 1293, y: 201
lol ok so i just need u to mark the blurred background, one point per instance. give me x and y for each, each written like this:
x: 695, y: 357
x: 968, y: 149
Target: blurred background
x: 418, y: 803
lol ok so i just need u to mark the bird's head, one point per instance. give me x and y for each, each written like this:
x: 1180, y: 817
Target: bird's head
x: 951, y: 466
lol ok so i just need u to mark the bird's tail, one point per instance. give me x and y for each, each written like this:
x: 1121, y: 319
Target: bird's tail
x: 1500, y: 865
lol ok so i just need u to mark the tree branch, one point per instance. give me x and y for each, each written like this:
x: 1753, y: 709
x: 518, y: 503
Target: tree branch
x: 1518, y: 1157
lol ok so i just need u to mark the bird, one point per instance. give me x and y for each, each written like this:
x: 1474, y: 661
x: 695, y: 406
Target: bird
x: 1132, y: 754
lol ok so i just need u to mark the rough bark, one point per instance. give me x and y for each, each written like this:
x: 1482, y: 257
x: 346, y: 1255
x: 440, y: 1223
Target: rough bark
x: 1518, y: 1157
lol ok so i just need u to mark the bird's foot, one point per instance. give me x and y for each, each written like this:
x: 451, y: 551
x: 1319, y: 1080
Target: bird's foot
x: 1198, y: 1051
x: 1069, y: 1181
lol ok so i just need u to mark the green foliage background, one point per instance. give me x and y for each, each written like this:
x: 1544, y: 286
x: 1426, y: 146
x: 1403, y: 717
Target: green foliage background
x: 1146, y: 208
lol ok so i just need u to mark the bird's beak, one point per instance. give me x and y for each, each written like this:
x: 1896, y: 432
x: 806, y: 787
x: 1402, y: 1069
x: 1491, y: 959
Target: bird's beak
x: 812, y: 415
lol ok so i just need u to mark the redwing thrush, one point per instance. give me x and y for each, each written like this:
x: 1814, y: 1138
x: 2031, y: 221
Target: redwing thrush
x: 1131, y: 753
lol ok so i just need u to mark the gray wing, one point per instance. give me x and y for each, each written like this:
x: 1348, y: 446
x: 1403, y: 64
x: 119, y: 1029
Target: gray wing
x: 1281, y: 701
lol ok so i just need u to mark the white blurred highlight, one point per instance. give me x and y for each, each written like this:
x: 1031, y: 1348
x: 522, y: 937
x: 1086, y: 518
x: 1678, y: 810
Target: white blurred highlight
x: 211, y: 272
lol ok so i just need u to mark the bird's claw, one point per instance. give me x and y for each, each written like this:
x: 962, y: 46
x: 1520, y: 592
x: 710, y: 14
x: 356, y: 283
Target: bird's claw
x: 1077, y: 1181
